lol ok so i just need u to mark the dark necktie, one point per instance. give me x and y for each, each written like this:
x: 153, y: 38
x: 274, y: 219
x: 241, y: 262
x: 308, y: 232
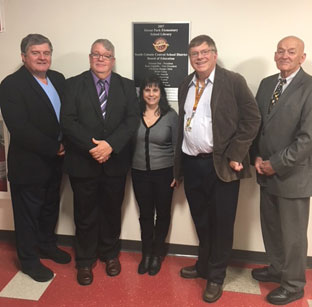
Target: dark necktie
x: 102, y: 97
x: 277, y: 93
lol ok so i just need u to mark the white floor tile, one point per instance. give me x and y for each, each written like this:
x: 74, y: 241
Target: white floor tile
x: 240, y: 280
x: 23, y: 287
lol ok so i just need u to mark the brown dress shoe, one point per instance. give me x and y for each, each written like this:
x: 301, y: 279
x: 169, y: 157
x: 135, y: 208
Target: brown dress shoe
x: 113, y: 267
x: 189, y: 272
x: 84, y: 276
x: 212, y: 292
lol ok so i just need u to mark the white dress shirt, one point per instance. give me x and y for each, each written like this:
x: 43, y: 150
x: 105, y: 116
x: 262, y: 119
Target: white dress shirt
x: 198, y: 139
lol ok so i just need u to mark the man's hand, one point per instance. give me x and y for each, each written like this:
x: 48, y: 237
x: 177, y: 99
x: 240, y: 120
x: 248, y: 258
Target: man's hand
x: 258, y: 163
x: 174, y: 183
x: 61, y: 151
x: 267, y: 168
x: 236, y: 166
x: 264, y: 167
x: 101, y: 152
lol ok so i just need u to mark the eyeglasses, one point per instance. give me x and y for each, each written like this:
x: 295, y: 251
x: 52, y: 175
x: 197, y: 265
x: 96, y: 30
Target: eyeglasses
x: 97, y: 56
x: 203, y: 53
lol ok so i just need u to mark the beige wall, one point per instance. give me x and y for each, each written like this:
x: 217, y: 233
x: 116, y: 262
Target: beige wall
x: 246, y: 33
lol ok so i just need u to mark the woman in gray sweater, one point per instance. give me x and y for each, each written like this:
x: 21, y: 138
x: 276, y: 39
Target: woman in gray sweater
x: 152, y: 171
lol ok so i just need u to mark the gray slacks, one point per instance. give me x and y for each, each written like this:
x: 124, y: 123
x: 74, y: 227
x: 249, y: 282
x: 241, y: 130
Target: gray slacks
x: 284, y: 223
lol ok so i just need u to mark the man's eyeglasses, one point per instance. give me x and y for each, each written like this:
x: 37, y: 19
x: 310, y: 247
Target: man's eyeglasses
x: 203, y: 53
x: 98, y: 56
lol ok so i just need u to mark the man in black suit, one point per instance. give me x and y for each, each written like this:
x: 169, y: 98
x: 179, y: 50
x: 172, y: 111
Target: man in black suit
x: 30, y: 102
x: 99, y: 116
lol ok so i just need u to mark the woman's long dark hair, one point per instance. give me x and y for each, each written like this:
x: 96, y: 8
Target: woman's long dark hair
x: 163, y: 106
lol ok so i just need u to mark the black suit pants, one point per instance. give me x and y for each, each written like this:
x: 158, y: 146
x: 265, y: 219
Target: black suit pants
x: 154, y: 195
x: 213, y: 206
x: 36, y: 210
x: 97, y: 215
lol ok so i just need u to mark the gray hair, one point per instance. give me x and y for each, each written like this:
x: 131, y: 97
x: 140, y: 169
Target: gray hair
x: 34, y: 39
x: 198, y: 40
x: 106, y: 44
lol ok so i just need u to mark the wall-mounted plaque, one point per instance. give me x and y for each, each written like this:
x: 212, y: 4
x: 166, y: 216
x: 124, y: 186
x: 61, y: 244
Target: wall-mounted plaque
x: 161, y: 49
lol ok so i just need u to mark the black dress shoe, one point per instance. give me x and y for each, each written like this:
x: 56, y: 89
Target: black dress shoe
x: 155, y: 265
x: 113, y: 267
x: 84, y: 276
x: 55, y: 254
x: 144, y: 264
x: 39, y: 273
x: 262, y: 274
x: 281, y: 296
x: 212, y: 292
x: 189, y: 272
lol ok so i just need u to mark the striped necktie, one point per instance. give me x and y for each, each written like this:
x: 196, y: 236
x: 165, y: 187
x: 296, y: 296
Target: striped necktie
x: 277, y: 93
x: 102, y: 97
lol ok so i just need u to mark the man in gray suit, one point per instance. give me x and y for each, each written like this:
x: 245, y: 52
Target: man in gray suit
x: 218, y: 120
x: 283, y: 160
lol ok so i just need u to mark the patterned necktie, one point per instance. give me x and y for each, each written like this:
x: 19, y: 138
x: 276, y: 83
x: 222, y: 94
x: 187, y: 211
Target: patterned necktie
x: 277, y: 93
x: 102, y: 97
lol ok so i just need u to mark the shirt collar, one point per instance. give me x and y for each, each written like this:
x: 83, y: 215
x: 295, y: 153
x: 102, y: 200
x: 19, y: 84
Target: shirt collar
x: 290, y: 77
x: 209, y: 79
x: 96, y: 78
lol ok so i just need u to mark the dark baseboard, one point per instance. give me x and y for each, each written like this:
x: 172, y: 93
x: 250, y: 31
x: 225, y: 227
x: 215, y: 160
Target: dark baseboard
x: 7, y: 235
x: 191, y: 250
x: 241, y: 256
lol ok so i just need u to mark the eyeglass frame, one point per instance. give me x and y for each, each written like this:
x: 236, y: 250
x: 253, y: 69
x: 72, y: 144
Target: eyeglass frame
x: 203, y: 53
x: 97, y: 56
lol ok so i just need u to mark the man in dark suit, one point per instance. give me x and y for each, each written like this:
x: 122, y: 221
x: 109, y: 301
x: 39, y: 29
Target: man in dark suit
x: 99, y: 116
x: 30, y: 102
x: 283, y: 160
x: 218, y: 120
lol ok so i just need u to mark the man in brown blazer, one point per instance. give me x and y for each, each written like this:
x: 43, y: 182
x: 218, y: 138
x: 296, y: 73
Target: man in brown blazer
x: 283, y: 160
x: 218, y: 120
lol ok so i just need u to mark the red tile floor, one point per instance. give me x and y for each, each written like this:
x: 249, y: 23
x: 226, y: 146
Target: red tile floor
x: 129, y: 289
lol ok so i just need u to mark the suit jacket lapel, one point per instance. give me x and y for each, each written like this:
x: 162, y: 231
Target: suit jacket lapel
x: 113, y: 92
x: 38, y: 89
x: 92, y: 94
x: 283, y: 100
x: 183, y: 92
x: 216, y: 90
x: 267, y: 100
